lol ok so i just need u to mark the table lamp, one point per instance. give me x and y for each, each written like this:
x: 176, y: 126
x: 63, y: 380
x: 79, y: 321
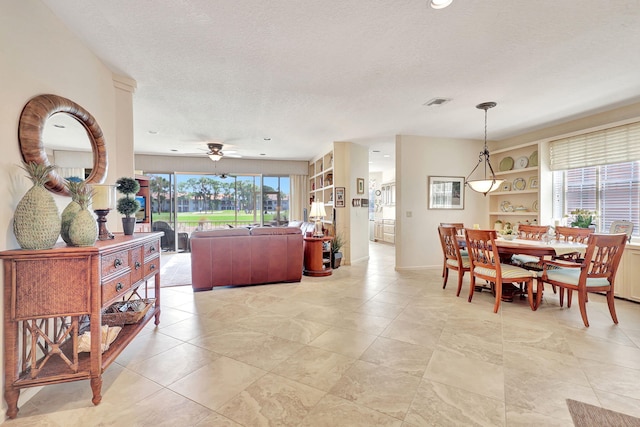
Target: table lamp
x: 102, y: 202
x: 318, y: 212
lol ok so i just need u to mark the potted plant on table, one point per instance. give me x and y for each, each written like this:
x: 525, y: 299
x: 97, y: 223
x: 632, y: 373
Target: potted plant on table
x: 336, y: 244
x: 128, y: 205
x: 583, y: 218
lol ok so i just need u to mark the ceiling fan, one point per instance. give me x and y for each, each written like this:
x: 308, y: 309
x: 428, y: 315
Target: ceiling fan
x: 215, y: 152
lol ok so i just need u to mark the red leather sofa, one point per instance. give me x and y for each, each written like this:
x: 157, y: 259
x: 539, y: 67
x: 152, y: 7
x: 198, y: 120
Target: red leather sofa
x: 241, y: 256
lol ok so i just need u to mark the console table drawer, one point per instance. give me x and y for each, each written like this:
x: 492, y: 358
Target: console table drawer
x: 114, y: 262
x: 115, y: 288
x: 151, y: 266
x: 152, y: 248
x: 137, y: 259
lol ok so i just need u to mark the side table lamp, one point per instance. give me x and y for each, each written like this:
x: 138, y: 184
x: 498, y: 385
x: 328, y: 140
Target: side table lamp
x: 318, y: 212
x: 102, y: 202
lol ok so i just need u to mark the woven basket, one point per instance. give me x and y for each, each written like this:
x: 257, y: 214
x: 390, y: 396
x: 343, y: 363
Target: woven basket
x: 126, y: 312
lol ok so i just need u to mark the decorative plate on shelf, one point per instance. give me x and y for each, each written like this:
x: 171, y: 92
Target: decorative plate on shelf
x: 522, y: 162
x: 534, y: 207
x: 506, y: 207
x: 506, y: 164
x: 519, y: 184
x: 533, y: 159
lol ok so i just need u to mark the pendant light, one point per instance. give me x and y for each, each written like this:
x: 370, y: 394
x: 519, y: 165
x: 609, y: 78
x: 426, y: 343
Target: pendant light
x: 488, y: 183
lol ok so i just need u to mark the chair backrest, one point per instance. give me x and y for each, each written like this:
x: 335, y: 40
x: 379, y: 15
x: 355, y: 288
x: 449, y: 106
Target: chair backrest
x: 532, y: 232
x: 449, y: 244
x: 482, y: 249
x: 459, y: 226
x: 573, y: 234
x: 161, y: 226
x: 604, y: 252
x: 622, y: 227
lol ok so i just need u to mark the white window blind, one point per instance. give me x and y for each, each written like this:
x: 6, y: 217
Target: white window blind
x: 604, y: 147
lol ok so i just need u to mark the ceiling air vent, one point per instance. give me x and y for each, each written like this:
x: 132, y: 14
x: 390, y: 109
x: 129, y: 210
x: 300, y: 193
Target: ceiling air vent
x: 436, y: 102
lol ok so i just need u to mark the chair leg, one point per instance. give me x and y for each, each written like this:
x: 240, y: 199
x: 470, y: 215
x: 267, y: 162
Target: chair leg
x: 460, y: 276
x: 612, y: 307
x: 582, y: 297
x: 446, y: 277
x: 444, y: 266
x: 554, y: 288
x: 561, y: 296
x: 496, y: 306
x: 569, y: 297
x: 533, y: 303
x: 472, y: 287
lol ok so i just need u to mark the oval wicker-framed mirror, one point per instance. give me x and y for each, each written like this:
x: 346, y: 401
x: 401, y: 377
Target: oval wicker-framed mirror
x: 30, y: 129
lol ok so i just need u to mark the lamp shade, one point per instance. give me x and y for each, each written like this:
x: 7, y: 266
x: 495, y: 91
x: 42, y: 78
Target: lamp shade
x: 215, y: 156
x: 103, y: 196
x: 317, y: 210
x: 485, y: 185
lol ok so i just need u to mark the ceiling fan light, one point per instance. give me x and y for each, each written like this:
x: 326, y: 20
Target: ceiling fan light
x: 215, y: 156
x: 440, y: 4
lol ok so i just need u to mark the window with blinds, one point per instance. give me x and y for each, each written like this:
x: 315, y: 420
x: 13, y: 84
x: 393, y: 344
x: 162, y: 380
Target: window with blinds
x: 598, y: 171
x: 613, y: 191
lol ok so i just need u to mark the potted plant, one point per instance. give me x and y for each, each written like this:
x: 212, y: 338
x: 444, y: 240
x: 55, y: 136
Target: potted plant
x: 583, y: 218
x: 128, y: 205
x: 336, y: 244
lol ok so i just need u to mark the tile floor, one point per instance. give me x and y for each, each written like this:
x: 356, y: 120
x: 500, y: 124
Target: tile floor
x: 368, y: 346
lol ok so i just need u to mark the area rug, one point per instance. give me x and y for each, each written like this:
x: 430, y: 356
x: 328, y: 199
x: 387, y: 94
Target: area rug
x: 176, y: 269
x: 585, y: 415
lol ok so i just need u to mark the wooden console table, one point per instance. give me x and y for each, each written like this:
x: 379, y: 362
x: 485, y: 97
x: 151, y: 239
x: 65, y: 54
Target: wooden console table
x: 52, y: 296
x: 315, y: 262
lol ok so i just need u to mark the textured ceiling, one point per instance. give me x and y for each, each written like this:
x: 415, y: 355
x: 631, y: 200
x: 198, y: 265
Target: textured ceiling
x: 306, y: 73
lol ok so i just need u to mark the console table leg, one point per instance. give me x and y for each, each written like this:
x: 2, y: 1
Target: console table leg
x: 11, y: 395
x: 96, y: 388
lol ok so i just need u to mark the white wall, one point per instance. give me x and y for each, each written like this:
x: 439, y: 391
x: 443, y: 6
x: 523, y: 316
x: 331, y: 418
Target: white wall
x: 357, y: 163
x: 39, y: 55
x: 417, y: 157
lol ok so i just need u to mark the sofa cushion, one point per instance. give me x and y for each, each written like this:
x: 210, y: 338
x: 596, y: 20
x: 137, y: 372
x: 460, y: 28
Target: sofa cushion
x: 270, y: 231
x: 221, y: 232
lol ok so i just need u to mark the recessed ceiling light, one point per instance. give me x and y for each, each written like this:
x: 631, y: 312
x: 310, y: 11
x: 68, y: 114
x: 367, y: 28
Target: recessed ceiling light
x: 266, y: 139
x: 59, y: 126
x: 153, y: 132
x: 375, y: 151
x: 174, y: 150
x: 263, y: 154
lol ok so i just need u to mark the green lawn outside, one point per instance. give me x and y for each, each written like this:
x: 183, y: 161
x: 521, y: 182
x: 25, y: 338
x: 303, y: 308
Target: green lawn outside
x: 216, y: 216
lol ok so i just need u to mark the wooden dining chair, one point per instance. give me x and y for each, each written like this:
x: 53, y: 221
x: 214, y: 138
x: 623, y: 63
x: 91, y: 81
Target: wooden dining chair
x: 486, y: 265
x: 459, y: 226
x: 530, y: 232
x: 572, y: 234
x: 452, y: 255
x: 622, y: 227
x: 596, y: 272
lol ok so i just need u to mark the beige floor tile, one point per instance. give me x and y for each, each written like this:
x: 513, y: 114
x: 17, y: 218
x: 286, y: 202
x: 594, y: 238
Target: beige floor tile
x: 612, y: 378
x: 409, y: 358
x: 214, y: 384
x: 333, y: 411
x: 470, y: 374
x: 438, y: 404
x: 413, y: 333
x: 272, y: 400
x: 344, y: 341
x: 377, y: 387
x: 314, y: 367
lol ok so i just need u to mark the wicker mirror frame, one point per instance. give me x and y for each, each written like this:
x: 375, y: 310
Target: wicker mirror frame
x: 30, y: 129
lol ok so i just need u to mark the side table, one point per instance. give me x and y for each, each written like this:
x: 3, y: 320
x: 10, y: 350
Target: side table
x: 315, y: 262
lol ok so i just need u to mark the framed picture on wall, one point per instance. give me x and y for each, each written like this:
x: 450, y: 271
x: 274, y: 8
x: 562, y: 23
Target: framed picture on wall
x: 339, y: 200
x: 445, y: 192
x: 360, y: 187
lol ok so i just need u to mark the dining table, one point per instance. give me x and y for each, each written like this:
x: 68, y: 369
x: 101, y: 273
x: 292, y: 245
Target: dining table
x: 537, y: 248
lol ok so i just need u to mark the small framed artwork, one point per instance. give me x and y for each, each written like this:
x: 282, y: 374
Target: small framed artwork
x: 339, y: 200
x: 360, y: 188
x: 533, y: 182
x: 364, y: 203
x: 506, y: 186
x: 445, y: 192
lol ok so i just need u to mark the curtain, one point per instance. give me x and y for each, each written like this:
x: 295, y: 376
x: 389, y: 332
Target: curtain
x: 299, y: 197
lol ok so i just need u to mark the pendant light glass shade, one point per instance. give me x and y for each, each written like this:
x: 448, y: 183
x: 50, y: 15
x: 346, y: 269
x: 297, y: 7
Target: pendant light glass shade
x: 488, y: 183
